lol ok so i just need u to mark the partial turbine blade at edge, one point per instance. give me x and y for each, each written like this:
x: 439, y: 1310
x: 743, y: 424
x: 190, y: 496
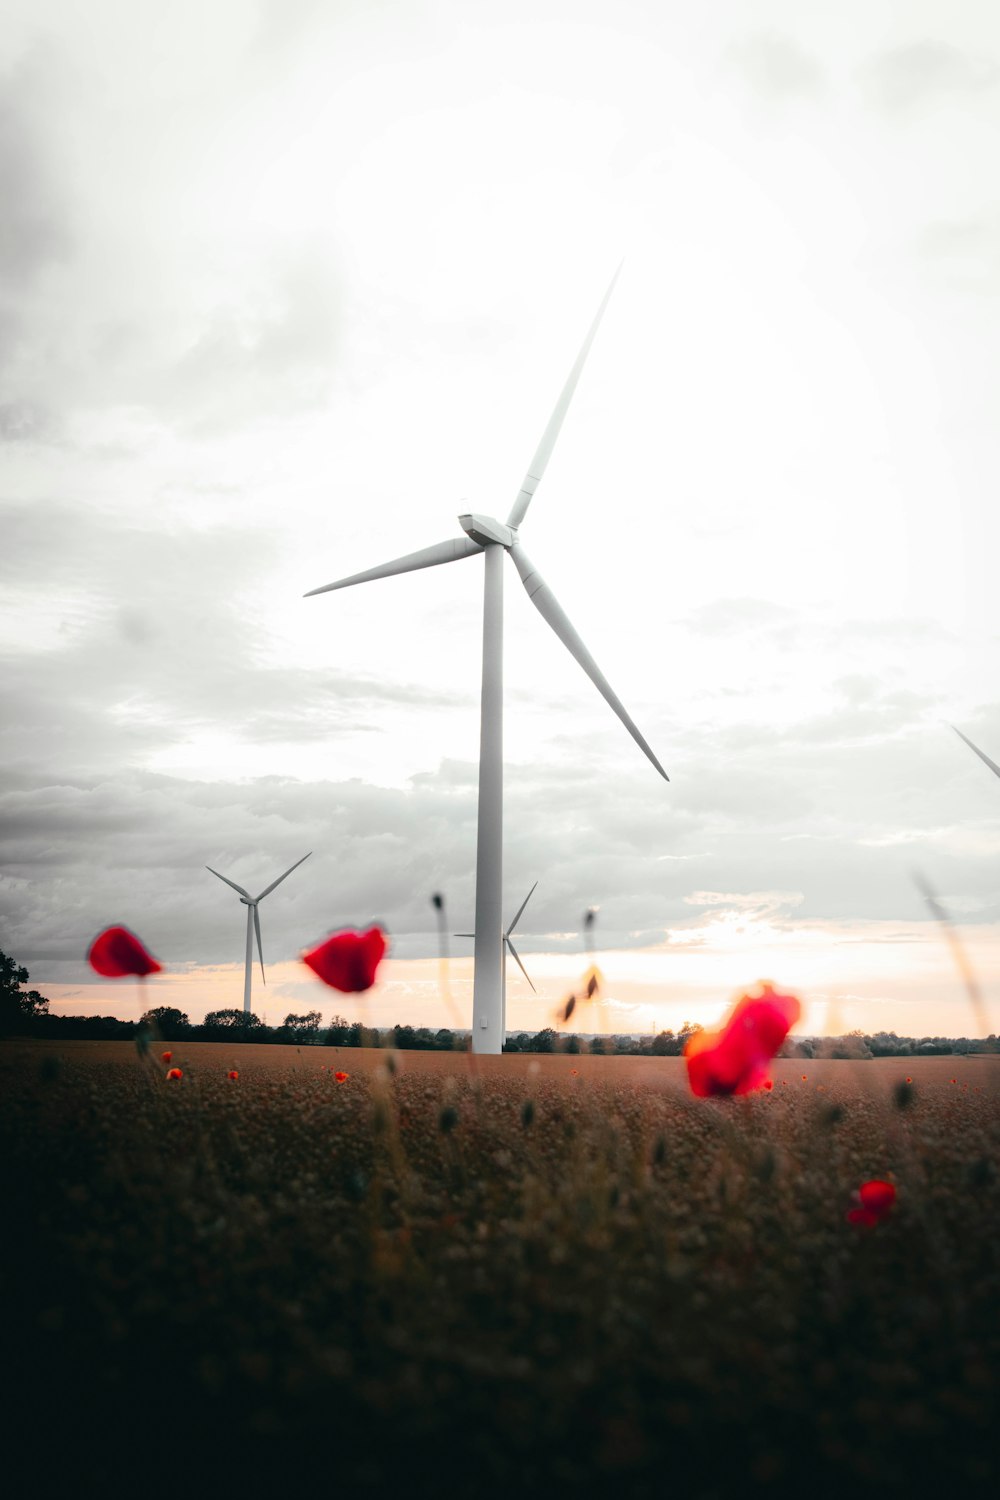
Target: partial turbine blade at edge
x: 280, y: 878
x: 260, y: 951
x: 982, y: 755
x: 520, y: 909
x: 520, y: 965
x: 552, y: 611
x: 229, y: 882
x: 429, y: 557
x: 539, y: 463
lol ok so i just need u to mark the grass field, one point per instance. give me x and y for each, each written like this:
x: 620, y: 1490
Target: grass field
x: 555, y: 1275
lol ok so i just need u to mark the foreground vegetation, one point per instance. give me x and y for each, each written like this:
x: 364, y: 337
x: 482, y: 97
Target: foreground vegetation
x: 464, y: 1277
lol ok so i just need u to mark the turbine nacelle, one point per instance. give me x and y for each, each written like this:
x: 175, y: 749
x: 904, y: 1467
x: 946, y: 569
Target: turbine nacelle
x: 487, y: 531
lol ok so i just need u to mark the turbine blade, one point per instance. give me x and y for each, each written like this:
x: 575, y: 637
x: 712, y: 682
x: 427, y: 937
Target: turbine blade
x: 229, y: 882
x: 538, y: 464
x: 982, y: 756
x: 517, y: 960
x: 962, y: 963
x: 551, y: 610
x: 463, y: 934
x: 283, y: 877
x: 260, y: 951
x: 428, y: 557
x: 520, y: 909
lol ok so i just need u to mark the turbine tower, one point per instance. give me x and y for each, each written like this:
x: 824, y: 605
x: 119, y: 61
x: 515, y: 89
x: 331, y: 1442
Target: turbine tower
x: 253, y: 922
x: 508, y: 947
x: 494, y: 538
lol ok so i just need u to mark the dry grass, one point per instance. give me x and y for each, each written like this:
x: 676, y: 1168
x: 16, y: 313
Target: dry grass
x: 548, y: 1273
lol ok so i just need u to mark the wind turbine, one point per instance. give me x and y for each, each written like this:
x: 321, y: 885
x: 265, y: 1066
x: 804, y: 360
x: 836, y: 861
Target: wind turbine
x: 981, y: 753
x: 508, y: 946
x: 494, y: 538
x: 253, y: 922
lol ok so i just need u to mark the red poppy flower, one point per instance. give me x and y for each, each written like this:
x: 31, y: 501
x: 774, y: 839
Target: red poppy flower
x: 233, y: 1074
x: 735, y: 1060
x: 116, y: 952
x: 174, y: 1074
x: 341, y: 1077
x: 768, y: 1084
x: 347, y: 961
x: 874, y: 1200
x: 166, y: 1056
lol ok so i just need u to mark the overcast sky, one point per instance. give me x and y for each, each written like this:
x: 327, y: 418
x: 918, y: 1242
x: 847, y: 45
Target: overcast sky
x: 284, y: 287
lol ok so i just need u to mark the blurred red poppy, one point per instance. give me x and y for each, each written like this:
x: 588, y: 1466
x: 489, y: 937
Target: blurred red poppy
x: 768, y: 1084
x: 175, y: 1074
x: 348, y: 960
x: 341, y: 1077
x: 735, y: 1060
x: 166, y: 1056
x: 116, y: 952
x: 874, y: 1200
x: 233, y: 1074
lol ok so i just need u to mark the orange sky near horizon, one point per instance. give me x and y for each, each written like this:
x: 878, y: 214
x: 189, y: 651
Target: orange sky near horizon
x: 881, y: 976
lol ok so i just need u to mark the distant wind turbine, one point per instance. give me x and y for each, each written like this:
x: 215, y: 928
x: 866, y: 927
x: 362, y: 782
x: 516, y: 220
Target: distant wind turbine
x: 982, y: 755
x: 508, y: 946
x: 253, y: 922
x: 494, y: 538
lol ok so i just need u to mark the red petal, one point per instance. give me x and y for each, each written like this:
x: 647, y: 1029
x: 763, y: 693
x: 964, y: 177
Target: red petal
x: 348, y: 960
x: 877, y: 1196
x: 735, y: 1060
x: 116, y: 952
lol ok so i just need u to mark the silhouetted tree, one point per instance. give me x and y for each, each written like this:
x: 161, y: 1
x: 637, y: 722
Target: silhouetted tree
x: 224, y: 1025
x: 19, y: 1007
x: 166, y: 1021
x: 302, y: 1029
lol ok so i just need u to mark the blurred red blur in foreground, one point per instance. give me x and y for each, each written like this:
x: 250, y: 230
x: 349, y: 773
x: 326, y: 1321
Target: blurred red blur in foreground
x: 116, y: 952
x: 874, y: 1200
x: 348, y: 960
x: 735, y: 1060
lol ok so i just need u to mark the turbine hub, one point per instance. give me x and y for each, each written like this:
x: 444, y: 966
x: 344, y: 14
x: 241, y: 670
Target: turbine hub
x: 486, y: 531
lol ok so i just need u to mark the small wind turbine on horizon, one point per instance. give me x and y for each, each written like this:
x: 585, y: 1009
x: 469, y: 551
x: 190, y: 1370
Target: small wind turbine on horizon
x: 253, y: 922
x: 508, y: 946
x: 493, y: 538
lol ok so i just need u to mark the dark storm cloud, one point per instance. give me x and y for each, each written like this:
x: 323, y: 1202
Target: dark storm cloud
x: 149, y: 651
x: 35, y: 225
x: 36, y: 228
x: 907, y: 79
x: 273, y: 353
x: 776, y: 68
x: 782, y: 827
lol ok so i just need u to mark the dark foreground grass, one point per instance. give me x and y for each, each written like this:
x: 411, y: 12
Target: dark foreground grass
x: 529, y: 1280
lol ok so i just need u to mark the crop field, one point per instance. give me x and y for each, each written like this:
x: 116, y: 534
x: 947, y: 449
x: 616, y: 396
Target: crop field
x: 521, y: 1275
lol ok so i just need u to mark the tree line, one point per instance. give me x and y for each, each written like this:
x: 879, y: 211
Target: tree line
x: 25, y: 1012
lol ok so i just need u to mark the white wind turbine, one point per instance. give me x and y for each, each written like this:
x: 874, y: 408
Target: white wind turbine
x: 253, y: 922
x: 508, y: 947
x: 494, y: 538
x: 981, y: 753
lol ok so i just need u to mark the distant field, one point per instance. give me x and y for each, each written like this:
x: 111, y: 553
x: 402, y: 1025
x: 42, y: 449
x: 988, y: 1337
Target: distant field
x: 530, y: 1274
